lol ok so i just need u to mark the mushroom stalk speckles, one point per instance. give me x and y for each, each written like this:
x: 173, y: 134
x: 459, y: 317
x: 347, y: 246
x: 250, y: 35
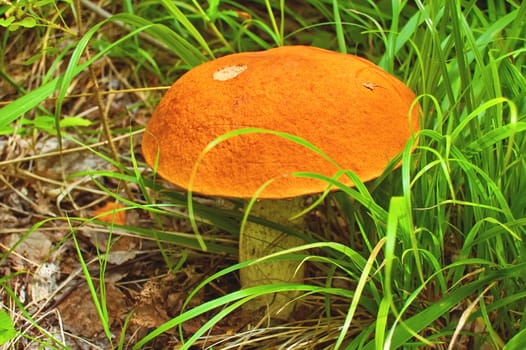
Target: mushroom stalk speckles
x: 258, y: 241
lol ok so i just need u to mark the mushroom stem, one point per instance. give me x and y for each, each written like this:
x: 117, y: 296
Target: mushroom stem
x: 257, y: 241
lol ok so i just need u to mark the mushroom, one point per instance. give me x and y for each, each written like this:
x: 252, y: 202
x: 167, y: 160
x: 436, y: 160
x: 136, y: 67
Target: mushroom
x: 356, y: 113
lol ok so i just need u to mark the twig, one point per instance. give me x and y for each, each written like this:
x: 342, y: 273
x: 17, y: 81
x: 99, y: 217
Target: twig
x: 99, y: 100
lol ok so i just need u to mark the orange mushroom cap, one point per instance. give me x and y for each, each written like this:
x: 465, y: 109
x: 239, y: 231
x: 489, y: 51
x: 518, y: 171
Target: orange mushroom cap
x: 351, y: 109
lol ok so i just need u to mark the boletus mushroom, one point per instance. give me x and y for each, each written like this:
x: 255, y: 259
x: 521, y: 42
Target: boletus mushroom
x: 356, y: 113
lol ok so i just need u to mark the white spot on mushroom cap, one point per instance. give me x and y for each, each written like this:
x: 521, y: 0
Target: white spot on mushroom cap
x: 369, y: 85
x: 229, y: 72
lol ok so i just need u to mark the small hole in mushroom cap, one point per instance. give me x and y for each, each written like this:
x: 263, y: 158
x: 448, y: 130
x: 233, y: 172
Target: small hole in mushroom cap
x: 229, y: 72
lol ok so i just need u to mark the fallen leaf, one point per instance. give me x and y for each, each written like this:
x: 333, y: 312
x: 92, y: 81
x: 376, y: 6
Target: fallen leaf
x: 79, y: 314
x: 111, y: 213
x: 150, y: 308
x: 44, y: 281
x: 35, y: 248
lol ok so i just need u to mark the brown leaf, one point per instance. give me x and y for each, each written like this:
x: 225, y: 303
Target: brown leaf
x: 150, y: 308
x: 79, y: 314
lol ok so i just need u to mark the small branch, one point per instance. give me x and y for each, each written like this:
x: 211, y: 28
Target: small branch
x: 99, y: 101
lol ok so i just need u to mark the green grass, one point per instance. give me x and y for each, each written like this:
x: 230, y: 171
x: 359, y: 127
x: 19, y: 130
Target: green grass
x: 423, y: 251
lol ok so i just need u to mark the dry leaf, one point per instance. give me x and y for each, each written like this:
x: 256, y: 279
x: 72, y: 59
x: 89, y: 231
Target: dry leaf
x: 35, y: 248
x: 150, y: 311
x: 110, y: 213
x: 44, y: 281
x: 80, y: 316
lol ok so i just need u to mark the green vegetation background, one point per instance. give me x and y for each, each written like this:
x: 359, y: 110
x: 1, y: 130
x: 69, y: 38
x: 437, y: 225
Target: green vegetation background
x: 430, y: 248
